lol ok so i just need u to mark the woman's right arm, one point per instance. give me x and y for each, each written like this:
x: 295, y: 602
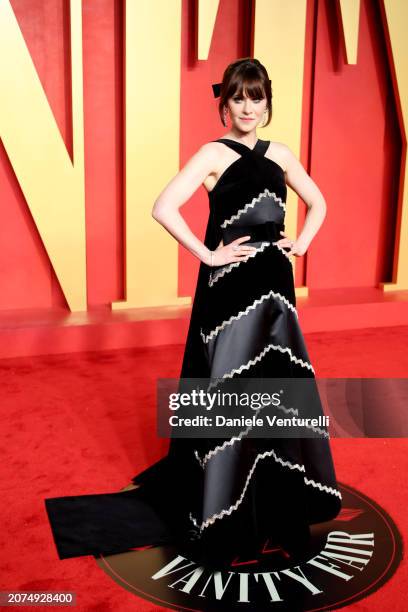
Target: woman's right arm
x: 176, y: 193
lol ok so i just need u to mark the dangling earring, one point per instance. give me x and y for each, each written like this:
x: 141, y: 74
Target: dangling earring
x: 225, y: 116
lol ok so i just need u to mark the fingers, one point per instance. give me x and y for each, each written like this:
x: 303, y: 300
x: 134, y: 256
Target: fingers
x: 242, y: 255
x: 235, y: 259
x: 237, y: 246
x: 285, y: 242
x: 244, y: 249
x: 240, y: 239
x: 236, y: 251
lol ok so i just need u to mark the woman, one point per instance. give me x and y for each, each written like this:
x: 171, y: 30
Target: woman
x: 226, y: 497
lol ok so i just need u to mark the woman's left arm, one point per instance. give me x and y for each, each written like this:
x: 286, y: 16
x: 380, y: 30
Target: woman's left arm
x: 298, y: 179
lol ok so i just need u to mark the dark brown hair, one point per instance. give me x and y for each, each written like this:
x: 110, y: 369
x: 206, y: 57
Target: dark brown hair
x: 246, y: 75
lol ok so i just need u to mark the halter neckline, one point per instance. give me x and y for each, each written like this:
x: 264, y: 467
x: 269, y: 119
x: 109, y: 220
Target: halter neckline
x: 242, y: 143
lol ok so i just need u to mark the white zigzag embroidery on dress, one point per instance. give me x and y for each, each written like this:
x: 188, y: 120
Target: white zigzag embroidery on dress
x: 246, y: 366
x: 238, y: 438
x: 251, y: 204
x: 319, y: 485
x: 231, y: 442
x: 271, y: 453
x: 193, y: 520
x: 214, y: 451
x: 282, y: 250
x: 264, y: 297
x: 230, y: 266
x: 284, y: 463
x: 282, y: 349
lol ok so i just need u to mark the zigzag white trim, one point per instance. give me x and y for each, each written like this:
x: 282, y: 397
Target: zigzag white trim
x: 271, y: 453
x: 292, y: 466
x: 319, y: 430
x: 282, y: 349
x: 282, y: 250
x: 232, y: 441
x: 319, y: 485
x: 215, y: 331
x: 288, y: 410
x: 215, y: 450
x: 251, y: 204
x: 229, y: 267
x: 193, y: 520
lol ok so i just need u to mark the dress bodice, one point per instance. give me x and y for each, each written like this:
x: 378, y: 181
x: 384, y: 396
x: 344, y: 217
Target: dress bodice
x: 250, y: 192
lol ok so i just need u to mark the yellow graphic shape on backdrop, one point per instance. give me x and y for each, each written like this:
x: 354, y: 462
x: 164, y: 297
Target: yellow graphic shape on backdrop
x: 52, y: 183
x: 152, y: 137
x: 396, y: 15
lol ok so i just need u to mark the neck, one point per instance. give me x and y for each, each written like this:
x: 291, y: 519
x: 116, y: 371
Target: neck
x: 248, y: 139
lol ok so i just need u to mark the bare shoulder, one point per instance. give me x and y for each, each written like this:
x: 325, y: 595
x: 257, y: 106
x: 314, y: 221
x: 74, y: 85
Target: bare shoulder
x: 207, y: 157
x: 202, y: 162
x: 210, y: 151
x: 280, y: 153
x: 217, y: 158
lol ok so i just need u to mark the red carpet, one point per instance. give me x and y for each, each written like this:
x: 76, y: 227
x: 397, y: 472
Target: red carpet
x: 85, y: 423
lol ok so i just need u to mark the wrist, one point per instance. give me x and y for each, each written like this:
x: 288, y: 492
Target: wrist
x: 302, y: 244
x: 208, y: 258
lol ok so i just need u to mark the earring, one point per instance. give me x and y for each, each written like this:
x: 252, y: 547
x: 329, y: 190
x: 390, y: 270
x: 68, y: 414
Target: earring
x: 264, y: 119
x: 225, y: 116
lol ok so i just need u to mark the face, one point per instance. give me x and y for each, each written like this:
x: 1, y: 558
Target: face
x: 245, y: 113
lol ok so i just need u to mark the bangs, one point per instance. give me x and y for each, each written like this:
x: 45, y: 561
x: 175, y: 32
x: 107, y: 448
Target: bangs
x: 253, y: 88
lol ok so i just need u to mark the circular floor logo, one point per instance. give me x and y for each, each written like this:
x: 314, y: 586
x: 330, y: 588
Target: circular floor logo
x: 349, y: 558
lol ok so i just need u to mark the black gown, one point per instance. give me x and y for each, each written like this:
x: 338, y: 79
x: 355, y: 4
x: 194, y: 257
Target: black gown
x: 225, y: 497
